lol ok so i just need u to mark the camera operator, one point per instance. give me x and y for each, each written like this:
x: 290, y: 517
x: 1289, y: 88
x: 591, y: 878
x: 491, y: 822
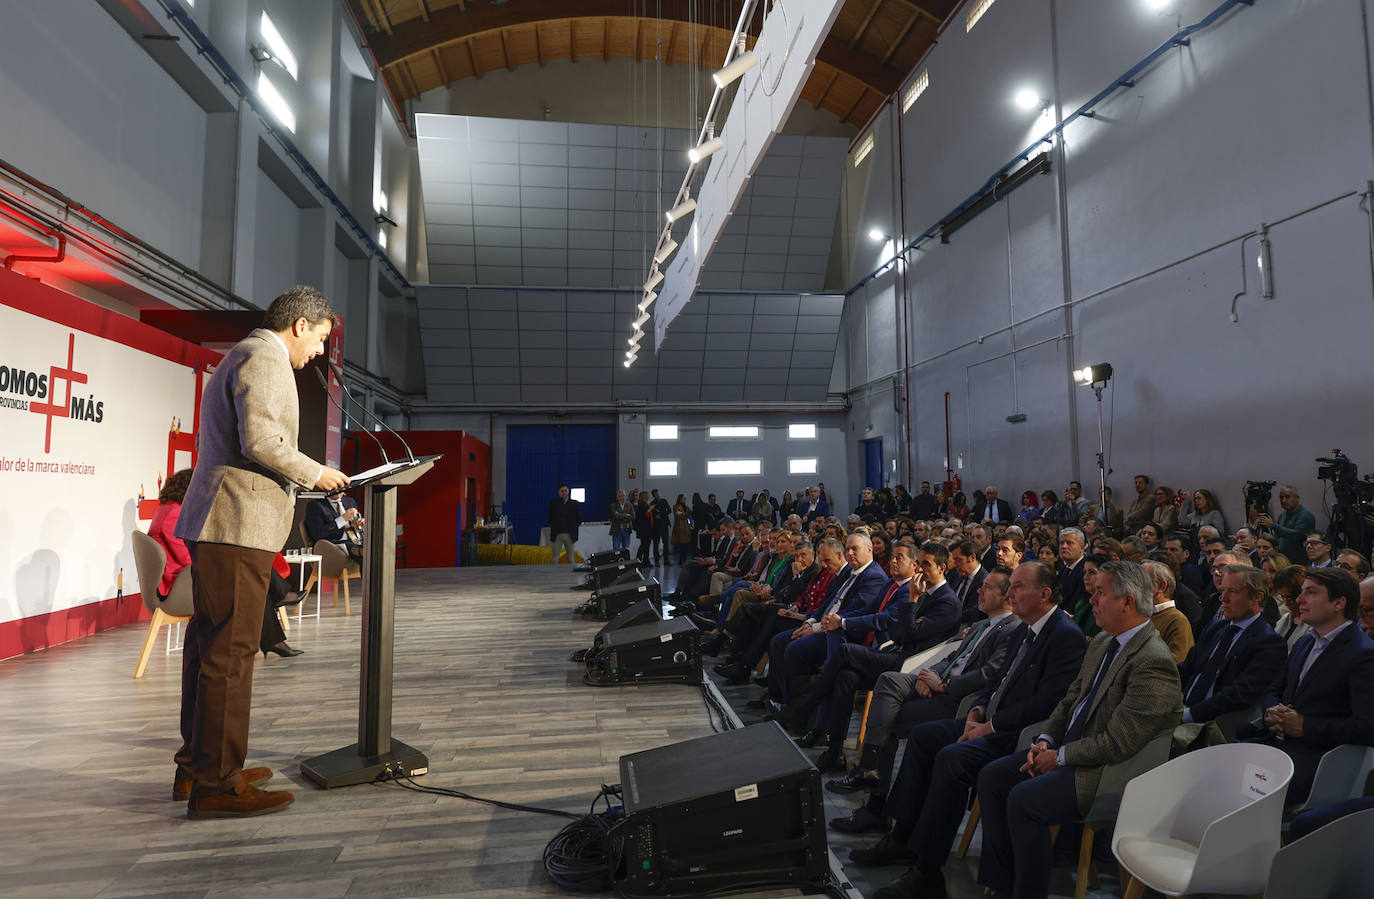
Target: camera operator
x: 1293, y: 524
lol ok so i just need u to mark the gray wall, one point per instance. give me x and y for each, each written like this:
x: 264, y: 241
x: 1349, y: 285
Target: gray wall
x: 1138, y: 228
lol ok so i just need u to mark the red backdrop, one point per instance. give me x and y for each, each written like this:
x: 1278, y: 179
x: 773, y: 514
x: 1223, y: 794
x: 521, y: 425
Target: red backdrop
x: 435, y: 509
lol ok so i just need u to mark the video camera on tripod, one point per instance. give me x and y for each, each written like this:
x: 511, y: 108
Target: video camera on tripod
x: 1354, y: 500
x: 1257, y: 497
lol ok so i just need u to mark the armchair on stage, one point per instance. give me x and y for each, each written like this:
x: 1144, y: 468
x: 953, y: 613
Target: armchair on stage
x: 375, y: 753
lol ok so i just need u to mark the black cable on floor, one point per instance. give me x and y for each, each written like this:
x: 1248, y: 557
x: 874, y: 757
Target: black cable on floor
x: 406, y: 782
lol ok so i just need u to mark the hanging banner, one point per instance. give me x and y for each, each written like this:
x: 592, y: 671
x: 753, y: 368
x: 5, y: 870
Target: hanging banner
x: 96, y: 410
x: 788, y: 42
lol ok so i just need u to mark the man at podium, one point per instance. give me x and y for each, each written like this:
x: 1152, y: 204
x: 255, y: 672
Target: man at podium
x: 235, y: 517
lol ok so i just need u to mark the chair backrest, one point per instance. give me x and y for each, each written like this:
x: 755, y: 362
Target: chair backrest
x: 1330, y: 862
x: 333, y: 560
x: 928, y: 657
x: 1341, y: 775
x: 1107, y: 799
x: 150, y: 560
x: 1029, y: 733
x: 1223, y: 780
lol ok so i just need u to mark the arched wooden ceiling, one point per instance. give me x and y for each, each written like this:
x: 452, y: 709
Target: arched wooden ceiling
x: 424, y: 44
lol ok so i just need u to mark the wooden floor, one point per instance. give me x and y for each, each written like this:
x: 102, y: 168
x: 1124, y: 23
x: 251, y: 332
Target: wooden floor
x: 482, y: 685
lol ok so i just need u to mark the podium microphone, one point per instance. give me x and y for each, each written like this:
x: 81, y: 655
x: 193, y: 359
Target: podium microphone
x: 338, y: 373
x: 327, y: 392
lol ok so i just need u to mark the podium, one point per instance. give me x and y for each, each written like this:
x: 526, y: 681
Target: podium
x: 375, y: 752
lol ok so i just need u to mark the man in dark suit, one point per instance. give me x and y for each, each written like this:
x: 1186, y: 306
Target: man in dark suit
x: 235, y: 517
x: 1237, y: 658
x: 1070, y: 568
x: 755, y: 629
x: 565, y: 515
x: 336, y: 519
x: 690, y: 574
x: 992, y: 508
x: 856, y: 590
x: 917, y: 611
x: 966, y: 576
x: 943, y: 758
x: 738, y: 507
x: 923, y: 504
x: 1324, y: 695
x: 695, y: 581
x: 901, y: 701
x: 1125, y: 695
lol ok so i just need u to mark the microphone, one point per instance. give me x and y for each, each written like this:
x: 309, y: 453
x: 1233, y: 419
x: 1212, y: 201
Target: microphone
x: 338, y: 373
x: 325, y: 384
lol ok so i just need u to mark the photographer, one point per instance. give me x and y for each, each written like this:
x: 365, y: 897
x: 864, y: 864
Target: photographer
x: 1293, y: 524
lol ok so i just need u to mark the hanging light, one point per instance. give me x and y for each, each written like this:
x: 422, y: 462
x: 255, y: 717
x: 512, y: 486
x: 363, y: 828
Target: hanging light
x: 742, y: 63
x: 684, y: 208
x: 643, y: 317
x: 649, y: 297
x: 655, y: 279
x: 705, y: 149
x: 665, y: 249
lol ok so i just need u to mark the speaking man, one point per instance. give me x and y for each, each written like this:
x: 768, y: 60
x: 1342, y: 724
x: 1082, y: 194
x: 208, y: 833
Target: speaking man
x: 236, y: 516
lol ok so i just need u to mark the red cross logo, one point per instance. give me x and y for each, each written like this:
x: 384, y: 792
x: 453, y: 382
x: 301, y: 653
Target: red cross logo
x: 51, y: 408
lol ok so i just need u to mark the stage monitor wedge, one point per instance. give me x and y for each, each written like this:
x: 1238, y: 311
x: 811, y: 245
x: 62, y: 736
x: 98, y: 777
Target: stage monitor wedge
x: 660, y: 652
x: 611, y: 601
x: 694, y: 825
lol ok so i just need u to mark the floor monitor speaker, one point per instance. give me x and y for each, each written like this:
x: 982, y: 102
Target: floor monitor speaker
x: 659, y: 652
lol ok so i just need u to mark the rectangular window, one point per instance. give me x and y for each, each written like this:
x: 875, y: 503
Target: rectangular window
x: 737, y: 432
x: 577, y: 494
x: 663, y: 468
x: 662, y: 432
x: 865, y: 147
x: 276, y: 45
x: 803, y: 466
x: 975, y: 12
x: 717, y: 467
x: 801, y: 431
x: 276, y: 103
x: 918, y: 87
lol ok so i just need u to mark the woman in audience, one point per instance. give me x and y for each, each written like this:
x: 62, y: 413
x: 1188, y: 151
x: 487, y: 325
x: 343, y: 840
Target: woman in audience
x: 1267, y: 545
x: 1107, y: 547
x: 941, y: 502
x: 788, y: 506
x: 1272, y: 565
x: 161, y: 529
x: 1030, y: 508
x: 1082, y: 614
x: 1152, y: 535
x: 882, y: 551
x: 836, y: 530
x: 1052, y: 511
x: 682, y: 529
x: 1166, y: 512
x: 958, y: 506
x: 1199, y: 509
x: 1287, y: 586
x: 1047, y: 554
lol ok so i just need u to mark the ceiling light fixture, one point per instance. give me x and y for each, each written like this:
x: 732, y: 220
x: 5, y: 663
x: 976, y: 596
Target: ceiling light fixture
x: 875, y: 235
x: 649, y: 297
x: 665, y: 249
x: 643, y: 317
x: 705, y: 149
x: 686, y: 207
x: 1027, y: 99
x: 742, y: 63
x: 655, y: 279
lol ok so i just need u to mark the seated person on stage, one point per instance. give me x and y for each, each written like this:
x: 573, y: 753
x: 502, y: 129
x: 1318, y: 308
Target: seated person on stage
x: 161, y: 529
x: 1324, y: 695
x: 723, y: 544
x: 772, y: 570
x: 753, y: 629
x: 856, y: 590
x: 1125, y: 695
x: 1236, y: 658
x: 1173, y: 626
x: 943, y: 757
x: 336, y: 520
x: 918, y: 610
x: 748, y: 566
x: 739, y: 557
x: 901, y: 701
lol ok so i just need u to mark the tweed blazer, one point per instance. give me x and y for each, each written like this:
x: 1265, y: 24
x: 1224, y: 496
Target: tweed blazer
x: 243, y: 491
x: 1138, y: 699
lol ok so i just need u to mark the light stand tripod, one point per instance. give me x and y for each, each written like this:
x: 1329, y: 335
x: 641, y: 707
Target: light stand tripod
x: 1096, y: 377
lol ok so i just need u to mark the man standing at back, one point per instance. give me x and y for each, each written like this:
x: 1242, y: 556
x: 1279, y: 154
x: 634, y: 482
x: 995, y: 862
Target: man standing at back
x: 236, y: 516
x: 565, y: 515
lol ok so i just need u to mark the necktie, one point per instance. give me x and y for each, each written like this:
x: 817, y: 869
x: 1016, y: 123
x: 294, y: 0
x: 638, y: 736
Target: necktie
x: 1080, y: 714
x: 839, y: 594
x: 963, y: 589
x: 1318, y: 647
x: 882, y: 605
x: 1015, y: 668
x: 956, y: 666
x: 1206, y: 681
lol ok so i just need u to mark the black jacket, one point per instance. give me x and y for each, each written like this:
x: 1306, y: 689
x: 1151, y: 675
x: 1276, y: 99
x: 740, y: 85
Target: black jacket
x: 564, y: 517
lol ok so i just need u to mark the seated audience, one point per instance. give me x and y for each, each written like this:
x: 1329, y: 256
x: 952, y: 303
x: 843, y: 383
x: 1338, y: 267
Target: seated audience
x: 1287, y: 586
x: 1165, y: 515
x: 1173, y: 626
x: 1318, y: 547
x: 336, y: 520
x: 1198, y: 509
x: 965, y: 577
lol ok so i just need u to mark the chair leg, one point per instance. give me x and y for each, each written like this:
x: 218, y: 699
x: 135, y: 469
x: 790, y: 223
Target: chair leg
x: 762, y: 665
x: 974, y: 814
x: 1134, y: 889
x: 285, y: 621
x: 1085, y: 857
x: 159, y: 619
x: 347, y: 609
x: 863, y: 723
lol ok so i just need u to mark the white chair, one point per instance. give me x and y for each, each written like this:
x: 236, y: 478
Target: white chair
x: 1206, y: 822
x: 1328, y: 862
x: 150, y: 560
x: 1341, y: 775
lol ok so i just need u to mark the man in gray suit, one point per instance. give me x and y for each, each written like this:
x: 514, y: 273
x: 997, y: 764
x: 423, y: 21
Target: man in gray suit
x: 236, y: 516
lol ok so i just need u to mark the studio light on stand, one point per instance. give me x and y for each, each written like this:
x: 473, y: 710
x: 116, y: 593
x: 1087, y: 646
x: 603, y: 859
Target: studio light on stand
x: 1096, y: 377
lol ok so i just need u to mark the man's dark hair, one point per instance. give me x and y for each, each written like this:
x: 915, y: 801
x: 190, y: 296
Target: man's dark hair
x: 908, y: 543
x: 1326, y: 541
x: 1045, y: 579
x: 297, y: 303
x: 967, y: 547
x: 1290, y: 578
x: 1339, y: 584
x: 174, y: 488
x: 561, y: 486
x: 1017, y: 542
x: 1145, y: 477
x: 936, y: 551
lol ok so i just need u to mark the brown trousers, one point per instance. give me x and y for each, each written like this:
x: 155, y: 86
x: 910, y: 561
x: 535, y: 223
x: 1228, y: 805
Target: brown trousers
x: 229, y: 586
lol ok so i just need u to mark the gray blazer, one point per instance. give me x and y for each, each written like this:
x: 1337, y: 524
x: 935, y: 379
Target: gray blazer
x: 1139, y: 698
x: 983, y: 663
x: 247, y: 467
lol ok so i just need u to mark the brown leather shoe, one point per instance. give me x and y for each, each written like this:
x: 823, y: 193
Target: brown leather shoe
x: 181, y: 786
x: 244, y: 801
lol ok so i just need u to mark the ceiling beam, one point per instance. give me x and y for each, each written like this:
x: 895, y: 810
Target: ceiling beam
x: 639, y: 40
x: 447, y: 25
x: 572, y: 40
x: 672, y: 36
x: 472, y: 57
x: 380, y: 16
x: 901, y: 36
x: 505, y: 52
x: 934, y: 11
x: 538, y: 45
x: 606, y: 42
x: 863, y: 92
x: 443, y: 72
x: 834, y: 76
x: 424, y: 9
x: 868, y: 20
